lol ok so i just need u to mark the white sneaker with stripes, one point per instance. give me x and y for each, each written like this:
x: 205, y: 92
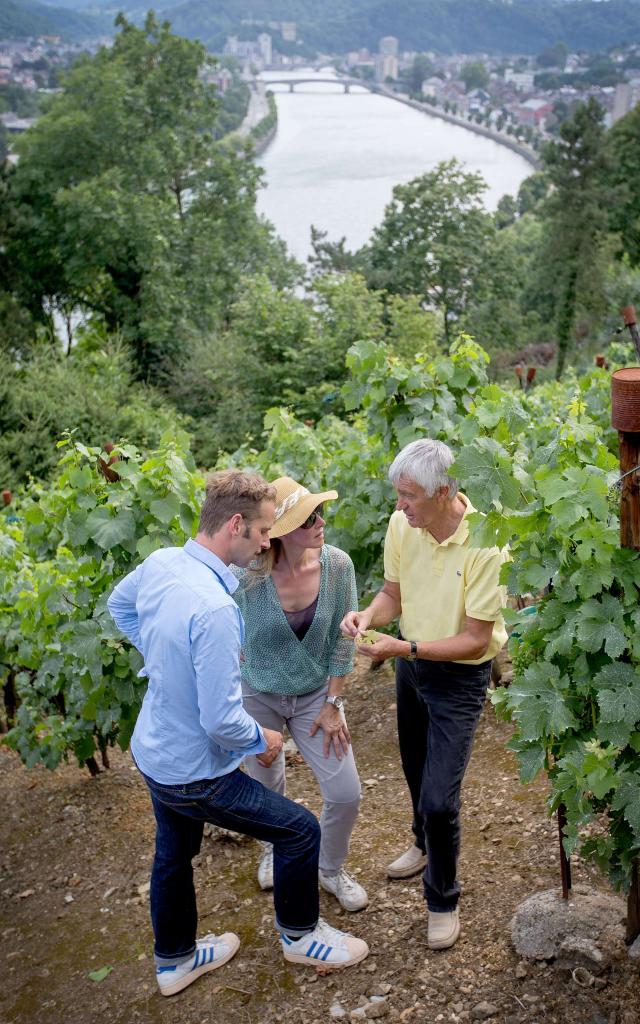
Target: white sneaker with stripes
x: 325, y: 947
x: 212, y: 951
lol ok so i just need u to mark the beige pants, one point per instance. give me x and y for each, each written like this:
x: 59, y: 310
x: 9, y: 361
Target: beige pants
x: 337, y: 778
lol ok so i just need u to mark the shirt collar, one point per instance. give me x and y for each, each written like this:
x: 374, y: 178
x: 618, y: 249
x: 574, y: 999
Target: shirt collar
x: 196, y: 550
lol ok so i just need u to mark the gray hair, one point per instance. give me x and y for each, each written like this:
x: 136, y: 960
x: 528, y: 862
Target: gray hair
x: 426, y: 463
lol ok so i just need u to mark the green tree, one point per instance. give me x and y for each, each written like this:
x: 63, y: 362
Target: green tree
x: 575, y: 221
x: 432, y: 240
x: 89, y: 392
x: 553, y: 56
x: 421, y: 69
x: 127, y: 208
x: 623, y: 145
x: 474, y: 75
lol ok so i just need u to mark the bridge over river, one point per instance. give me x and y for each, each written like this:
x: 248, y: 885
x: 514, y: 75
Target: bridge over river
x: 344, y: 83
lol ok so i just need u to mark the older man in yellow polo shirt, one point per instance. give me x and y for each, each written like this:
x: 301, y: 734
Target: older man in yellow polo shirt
x: 449, y: 600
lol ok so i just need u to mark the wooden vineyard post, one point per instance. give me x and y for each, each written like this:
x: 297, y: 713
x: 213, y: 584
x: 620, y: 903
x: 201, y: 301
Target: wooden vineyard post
x: 625, y: 418
x: 565, y: 863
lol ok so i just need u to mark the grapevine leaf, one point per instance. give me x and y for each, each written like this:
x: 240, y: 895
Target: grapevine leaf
x: 165, y: 509
x: 487, y: 471
x: 627, y: 800
x: 601, y: 622
x: 539, y: 704
x: 618, y: 696
x: 618, y: 734
x: 531, y: 760
x: 108, y: 530
x: 100, y: 974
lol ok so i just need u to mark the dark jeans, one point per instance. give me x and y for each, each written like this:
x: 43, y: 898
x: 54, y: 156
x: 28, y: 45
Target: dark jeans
x: 439, y: 704
x: 237, y: 802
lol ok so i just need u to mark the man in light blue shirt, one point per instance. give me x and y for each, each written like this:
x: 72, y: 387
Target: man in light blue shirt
x: 192, y: 734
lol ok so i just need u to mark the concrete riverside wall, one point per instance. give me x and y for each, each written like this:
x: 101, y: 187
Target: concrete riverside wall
x: 425, y: 108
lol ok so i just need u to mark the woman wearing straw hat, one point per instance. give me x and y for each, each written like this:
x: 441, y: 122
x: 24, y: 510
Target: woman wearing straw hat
x: 295, y: 660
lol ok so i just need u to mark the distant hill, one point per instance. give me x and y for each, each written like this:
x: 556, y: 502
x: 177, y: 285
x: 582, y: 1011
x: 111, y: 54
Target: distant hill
x: 19, y: 19
x: 495, y: 26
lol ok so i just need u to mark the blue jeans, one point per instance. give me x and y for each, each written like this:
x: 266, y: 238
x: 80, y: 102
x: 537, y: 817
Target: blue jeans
x: 439, y: 704
x: 237, y: 802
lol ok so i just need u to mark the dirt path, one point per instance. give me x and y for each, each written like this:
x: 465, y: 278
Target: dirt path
x: 74, y: 870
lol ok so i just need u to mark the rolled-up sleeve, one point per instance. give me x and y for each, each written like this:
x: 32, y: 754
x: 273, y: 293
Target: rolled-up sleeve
x: 215, y: 646
x: 122, y: 607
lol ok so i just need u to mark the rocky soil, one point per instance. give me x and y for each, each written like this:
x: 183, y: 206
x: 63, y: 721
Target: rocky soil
x: 74, y: 872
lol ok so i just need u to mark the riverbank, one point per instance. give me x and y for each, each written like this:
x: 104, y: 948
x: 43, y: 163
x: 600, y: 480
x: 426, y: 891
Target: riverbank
x: 489, y: 133
x: 261, y: 120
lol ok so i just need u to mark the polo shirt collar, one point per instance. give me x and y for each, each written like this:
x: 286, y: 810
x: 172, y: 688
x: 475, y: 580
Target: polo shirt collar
x: 216, y: 564
x: 461, y: 531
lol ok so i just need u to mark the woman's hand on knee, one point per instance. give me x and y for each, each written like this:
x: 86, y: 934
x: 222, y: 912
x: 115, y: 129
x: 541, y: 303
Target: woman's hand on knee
x: 334, y: 729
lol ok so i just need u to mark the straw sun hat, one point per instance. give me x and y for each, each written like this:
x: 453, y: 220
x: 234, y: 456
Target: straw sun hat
x: 294, y: 504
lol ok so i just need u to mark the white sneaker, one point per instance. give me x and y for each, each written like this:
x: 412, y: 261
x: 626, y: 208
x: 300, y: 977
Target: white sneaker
x: 325, y: 947
x: 349, y: 893
x: 265, y: 868
x: 212, y: 951
x: 408, y: 864
x: 443, y: 929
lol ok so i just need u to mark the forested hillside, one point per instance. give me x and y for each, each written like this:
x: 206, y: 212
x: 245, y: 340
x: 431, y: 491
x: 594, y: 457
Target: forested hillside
x: 19, y: 19
x: 525, y: 26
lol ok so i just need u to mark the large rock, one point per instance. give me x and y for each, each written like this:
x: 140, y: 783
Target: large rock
x: 587, y: 930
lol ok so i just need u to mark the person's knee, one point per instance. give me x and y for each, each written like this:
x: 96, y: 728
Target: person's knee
x: 349, y: 796
x: 309, y: 826
x: 434, y: 805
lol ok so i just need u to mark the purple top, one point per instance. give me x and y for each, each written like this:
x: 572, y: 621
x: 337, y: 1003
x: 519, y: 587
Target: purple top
x: 300, y: 621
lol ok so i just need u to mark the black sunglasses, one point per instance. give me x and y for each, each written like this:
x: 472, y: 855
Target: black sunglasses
x: 312, y: 519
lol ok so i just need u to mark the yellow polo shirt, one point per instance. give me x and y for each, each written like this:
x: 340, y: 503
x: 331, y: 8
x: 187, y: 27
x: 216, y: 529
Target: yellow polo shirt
x: 440, y: 584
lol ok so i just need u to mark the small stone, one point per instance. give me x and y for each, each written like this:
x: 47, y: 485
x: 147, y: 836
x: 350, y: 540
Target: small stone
x: 484, y: 1010
x: 68, y: 898
x: 521, y: 969
x: 530, y: 999
x: 379, y: 988
x: 380, y: 1008
x: 337, y: 1011
x: 357, y: 1014
x: 370, y: 782
x: 26, y: 893
x: 144, y: 889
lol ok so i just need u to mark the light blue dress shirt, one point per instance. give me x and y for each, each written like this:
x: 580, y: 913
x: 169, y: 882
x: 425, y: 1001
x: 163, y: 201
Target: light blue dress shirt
x: 177, y: 609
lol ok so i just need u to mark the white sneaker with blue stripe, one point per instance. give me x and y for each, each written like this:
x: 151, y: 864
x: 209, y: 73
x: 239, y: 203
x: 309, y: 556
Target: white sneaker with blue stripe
x: 212, y: 951
x: 325, y: 947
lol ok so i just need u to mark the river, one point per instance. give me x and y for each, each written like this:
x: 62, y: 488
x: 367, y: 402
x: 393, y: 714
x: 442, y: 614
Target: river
x: 336, y: 158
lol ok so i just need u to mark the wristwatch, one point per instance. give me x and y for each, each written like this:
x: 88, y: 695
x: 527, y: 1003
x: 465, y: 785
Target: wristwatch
x: 337, y: 702
x: 413, y: 653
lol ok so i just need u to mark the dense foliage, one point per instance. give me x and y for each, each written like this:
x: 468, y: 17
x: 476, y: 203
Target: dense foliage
x: 124, y: 206
x: 61, y: 549
x: 19, y: 20
x: 541, y: 464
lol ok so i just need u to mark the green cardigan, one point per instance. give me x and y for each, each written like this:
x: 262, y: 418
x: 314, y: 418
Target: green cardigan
x: 275, y: 661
